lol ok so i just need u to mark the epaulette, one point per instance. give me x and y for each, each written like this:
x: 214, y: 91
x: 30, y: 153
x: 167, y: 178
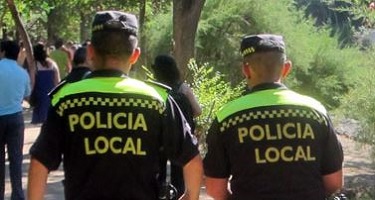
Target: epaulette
x: 158, y: 84
x: 57, y: 88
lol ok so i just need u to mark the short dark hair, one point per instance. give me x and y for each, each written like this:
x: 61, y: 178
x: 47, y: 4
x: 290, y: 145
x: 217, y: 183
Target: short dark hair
x: 114, y: 43
x: 59, y: 43
x: 80, y: 56
x: 166, y: 70
x: 11, y: 49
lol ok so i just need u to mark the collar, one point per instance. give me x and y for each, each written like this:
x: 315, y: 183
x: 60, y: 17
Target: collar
x: 107, y: 73
x: 8, y: 60
x: 81, y: 67
x: 266, y: 86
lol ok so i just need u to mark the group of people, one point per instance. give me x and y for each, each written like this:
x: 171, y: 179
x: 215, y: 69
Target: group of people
x: 52, y: 66
x: 114, y: 133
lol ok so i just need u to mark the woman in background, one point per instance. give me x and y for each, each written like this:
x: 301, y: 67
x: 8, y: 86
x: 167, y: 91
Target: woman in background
x: 46, y: 78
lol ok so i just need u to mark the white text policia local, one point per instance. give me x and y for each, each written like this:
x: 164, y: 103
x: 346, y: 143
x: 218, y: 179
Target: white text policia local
x: 289, y: 131
x: 119, y: 121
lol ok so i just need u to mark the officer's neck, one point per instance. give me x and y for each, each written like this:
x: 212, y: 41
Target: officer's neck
x: 254, y: 82
x: 114, y: 64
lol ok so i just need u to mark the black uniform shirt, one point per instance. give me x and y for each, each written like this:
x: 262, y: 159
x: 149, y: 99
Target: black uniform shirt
x: 275, y: 143
x: 109, y: 130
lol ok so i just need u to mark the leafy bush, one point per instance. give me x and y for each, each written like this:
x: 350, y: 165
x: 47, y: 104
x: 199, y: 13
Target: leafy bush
x: 158, y: 33
x: 320, y: 65
x: 359, y: 104
x: 212, y: 92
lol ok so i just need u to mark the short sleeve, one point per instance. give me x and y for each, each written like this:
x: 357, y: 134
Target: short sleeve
x: 49, y: 145
x: 179, y: 143
x: 332, y: 154
x: 216, y: 163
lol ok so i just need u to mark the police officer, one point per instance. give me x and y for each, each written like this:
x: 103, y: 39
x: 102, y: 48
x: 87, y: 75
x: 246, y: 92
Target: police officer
x: 109, y: 129
x: 273, y: 142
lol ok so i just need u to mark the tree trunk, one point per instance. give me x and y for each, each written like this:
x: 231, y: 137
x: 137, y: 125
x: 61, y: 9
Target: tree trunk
x: 186, y: 14
x: 52, y: 21
x: 84, y: 27
x: 142, y: 36
x: 25, y: 38
x: 2, y: 24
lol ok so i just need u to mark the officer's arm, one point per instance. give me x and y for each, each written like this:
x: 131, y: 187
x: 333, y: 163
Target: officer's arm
x: 217, y: 187
x: 332, y: 162
x: 38, y: 174
x: 193, y: 172
x: 333, y: 182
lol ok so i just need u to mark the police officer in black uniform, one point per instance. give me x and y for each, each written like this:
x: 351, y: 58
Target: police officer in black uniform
x: 109, y: 130
x: 274, y: 143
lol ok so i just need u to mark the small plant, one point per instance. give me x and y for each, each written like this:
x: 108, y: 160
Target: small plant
x: 212, y: 92
x: 359, y: 104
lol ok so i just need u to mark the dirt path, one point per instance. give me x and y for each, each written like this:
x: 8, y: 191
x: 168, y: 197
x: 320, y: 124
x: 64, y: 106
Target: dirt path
x: 359, y: 170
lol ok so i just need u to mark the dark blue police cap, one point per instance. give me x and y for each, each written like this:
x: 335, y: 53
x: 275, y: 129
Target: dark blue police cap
x: 115, y: 20
x: 262, y: 43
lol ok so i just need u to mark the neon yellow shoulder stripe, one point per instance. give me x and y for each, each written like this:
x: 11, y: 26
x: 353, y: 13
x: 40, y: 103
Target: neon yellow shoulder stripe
x: 269, y: 98
x: 116, y: 85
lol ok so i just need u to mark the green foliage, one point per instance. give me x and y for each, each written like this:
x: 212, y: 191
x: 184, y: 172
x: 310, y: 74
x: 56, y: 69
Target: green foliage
x: 359, y: 104
x: 159, y: 35
x: 328, y: 77
x: 61, y: 18
x: 212, y: 92
x: 220, y: 29
x: 319, y: 64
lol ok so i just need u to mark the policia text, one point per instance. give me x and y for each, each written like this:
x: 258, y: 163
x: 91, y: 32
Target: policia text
x: 256, y: 133
x: 119, y: 121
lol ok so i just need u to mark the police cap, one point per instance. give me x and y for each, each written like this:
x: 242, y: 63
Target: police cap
x: 115, y: 20
x: 262, y: 43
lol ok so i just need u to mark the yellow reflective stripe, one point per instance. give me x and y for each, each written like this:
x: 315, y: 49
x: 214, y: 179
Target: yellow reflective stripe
x: 270, y: 114
x: 269, y: 98
x: 109, y: 102
x: 115, y: 85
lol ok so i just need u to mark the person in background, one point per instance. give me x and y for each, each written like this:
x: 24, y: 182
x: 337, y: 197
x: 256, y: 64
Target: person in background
x: 71, y: 47
x: 14, y: 88
x: 46, y: 78
x: 81, y: 69
x: 86, y: 43
x: 62, y: 58
x: 81, y: 66
x: 109, y: 128
x: 274, y: 143
x: 166, y: 72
